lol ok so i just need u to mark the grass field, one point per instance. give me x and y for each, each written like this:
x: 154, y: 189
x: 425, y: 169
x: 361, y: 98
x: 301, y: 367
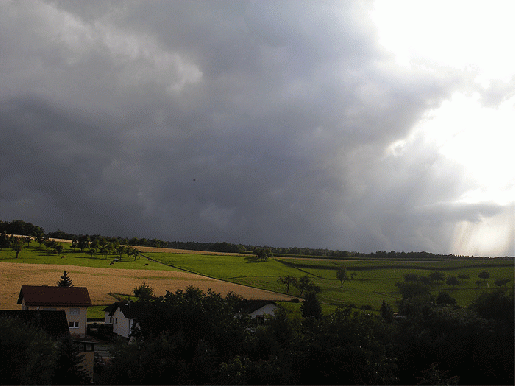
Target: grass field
x: 372, y: 280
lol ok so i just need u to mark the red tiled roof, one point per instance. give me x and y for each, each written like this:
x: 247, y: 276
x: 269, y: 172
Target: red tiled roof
x: 54, y: 296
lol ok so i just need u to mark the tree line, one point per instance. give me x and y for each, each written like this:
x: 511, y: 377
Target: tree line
x: 192, y: 337
x: 25, y: 228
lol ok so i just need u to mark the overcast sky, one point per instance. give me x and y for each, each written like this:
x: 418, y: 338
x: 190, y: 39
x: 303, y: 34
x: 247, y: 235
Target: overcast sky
x: 345, y: 125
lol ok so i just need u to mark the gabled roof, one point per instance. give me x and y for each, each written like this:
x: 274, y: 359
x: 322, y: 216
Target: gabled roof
x: 250, y: 305
x: 52, y: 322
x: 130, y: 310
x: 54, y: 296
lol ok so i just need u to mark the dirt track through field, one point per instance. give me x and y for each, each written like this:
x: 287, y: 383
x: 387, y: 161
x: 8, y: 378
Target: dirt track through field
x: 102, y: 281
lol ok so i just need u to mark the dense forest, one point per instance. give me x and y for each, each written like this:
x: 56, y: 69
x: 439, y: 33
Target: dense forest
x: 24, y: 228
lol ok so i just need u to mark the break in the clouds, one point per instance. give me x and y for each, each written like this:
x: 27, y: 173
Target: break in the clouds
x: 292, y: 123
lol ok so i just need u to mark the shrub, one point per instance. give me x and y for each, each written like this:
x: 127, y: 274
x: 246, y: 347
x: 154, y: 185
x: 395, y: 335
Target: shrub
x: 445, y: 298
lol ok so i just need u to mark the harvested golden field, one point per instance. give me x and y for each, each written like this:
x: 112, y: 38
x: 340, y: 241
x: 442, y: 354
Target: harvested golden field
x: 102, y: 281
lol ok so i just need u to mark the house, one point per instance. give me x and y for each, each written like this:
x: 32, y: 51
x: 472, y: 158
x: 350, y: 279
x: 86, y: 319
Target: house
x: 122, y: 316
x: 74, y: 301
x: 259, y: 309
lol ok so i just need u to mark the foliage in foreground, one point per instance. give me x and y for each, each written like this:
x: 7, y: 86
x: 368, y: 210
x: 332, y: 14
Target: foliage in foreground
x: 189, y: 337
x: 29, y: 356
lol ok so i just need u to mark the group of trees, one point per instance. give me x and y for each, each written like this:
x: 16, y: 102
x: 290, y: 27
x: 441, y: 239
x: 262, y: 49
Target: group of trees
x: 20, y: 227
x: 304, y: 284
x: 16, y: 243
x: 103, y: 246
x: 262, y: 253
x: 418, y: 285
x: 193, y: 337
x: 28, y: 355
x: 99, y: 245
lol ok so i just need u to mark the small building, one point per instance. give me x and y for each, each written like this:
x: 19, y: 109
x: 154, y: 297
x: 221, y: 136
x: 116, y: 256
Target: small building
x: 74, y: 301
x: 122, y: 316
x: 259, y: 310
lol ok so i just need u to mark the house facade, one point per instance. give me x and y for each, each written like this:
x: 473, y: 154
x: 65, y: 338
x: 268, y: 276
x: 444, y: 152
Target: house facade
x: 122, y: 315
x: 74, y: 301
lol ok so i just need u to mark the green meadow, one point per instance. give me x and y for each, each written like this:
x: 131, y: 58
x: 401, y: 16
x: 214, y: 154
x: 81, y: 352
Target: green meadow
x: 371, y: 281
x: 36, y: 254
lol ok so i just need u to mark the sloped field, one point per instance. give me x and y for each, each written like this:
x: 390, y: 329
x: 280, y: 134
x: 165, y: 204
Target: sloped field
x: 102, y: 281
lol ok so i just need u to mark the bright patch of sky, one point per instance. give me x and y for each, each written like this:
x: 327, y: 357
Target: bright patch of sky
x: 472, y: 37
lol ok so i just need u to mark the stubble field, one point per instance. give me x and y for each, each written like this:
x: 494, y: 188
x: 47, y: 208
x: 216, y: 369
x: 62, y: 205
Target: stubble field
x: 100, y: 282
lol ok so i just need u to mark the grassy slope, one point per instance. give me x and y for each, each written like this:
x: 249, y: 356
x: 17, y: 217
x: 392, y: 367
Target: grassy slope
x: 39, y: 255
x: 374, y: 280
x: 372, y: 286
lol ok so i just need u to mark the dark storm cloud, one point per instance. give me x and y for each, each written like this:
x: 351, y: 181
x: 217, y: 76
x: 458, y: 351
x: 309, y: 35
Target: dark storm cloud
x: 252, y: 122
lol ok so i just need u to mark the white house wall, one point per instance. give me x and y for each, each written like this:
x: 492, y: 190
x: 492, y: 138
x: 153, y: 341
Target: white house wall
x: 121, y: 325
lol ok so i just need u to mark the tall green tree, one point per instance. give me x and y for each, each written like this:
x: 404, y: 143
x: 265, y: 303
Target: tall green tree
x: 341, y: 274
x: 311, y: 307
x: 83, y: 242
x: 452, y: 280
x: 288, y: 281
x: 134, y: 252
x: 263, y: 253
x: 484, y: 275
x: 305, y: 285
x: 436, y: 276
x: 386, y: 312
x: 144, y: 292
x: 17, y: 245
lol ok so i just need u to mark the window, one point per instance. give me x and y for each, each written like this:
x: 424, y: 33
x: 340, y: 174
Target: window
x: 73, y: 324
x: 74, y: 311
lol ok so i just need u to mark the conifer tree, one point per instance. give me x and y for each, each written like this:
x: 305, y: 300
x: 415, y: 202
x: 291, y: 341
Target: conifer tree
x: 65, y: 281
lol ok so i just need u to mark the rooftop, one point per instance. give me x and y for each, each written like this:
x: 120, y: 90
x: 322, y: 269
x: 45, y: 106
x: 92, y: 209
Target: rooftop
x: 54, y: 296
